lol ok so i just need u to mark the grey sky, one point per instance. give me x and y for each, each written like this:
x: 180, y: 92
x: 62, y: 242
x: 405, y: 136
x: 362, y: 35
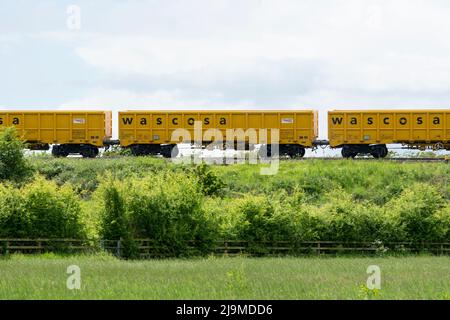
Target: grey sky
x: 205, y: 54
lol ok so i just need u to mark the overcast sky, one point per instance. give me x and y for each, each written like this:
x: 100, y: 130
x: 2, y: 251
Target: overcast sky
x: 225, y: 54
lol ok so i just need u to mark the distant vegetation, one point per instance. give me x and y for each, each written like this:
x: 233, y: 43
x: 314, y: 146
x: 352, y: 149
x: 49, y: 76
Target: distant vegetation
x: 126, y: 197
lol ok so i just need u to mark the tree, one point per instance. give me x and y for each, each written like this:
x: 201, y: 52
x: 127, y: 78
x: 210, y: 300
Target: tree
x: 13, y: 164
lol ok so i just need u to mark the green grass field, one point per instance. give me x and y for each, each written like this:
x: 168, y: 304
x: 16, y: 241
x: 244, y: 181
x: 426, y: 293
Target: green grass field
x: 104, y: 277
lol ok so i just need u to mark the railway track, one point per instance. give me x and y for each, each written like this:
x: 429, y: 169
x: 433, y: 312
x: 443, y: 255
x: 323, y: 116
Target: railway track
x: 230, y: 159
x: 385, y: 159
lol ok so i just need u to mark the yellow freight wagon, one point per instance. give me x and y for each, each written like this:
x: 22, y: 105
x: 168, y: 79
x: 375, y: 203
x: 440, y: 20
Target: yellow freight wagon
x: 369, y: 131
x: 153, y: 132
x: 80, y: 132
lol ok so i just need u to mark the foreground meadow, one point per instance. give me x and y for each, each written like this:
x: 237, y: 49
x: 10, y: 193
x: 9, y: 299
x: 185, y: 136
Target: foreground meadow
x: 105, y: 277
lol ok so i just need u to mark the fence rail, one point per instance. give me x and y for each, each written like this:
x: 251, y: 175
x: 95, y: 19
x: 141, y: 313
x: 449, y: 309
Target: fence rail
x: 148, y: 248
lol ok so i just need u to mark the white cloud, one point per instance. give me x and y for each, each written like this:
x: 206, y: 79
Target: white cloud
x: 166, y: 56
x: 258, y: 53
x: 360, y: 45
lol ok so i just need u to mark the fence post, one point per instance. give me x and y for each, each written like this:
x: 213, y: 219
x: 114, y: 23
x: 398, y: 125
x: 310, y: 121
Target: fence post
x: 318, y: 248
x: 118, y: 247
x: 7, y: 248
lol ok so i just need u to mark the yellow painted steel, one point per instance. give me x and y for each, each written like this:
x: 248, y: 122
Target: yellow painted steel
x: 157, y: 127
x: 411, y: 127
x: 60, y: 127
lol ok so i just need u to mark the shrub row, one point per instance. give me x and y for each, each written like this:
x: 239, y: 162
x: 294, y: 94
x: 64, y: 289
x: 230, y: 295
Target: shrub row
x: 170, y: 208
x: 40, y: 210
x: 418, y: 214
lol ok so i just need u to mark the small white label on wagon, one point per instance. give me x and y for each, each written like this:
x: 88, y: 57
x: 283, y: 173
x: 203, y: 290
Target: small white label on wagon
x: 79, y: 121
x: 287, y: 120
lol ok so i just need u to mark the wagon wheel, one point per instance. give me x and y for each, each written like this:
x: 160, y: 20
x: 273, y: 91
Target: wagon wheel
x: 294, y: 152
x: 377, y: 152
x: 169, y: 151
x: 438, y: 146
x: 89, y: 152
x: 348, y: 153
x: 59, y: 151
x: 302, y: 152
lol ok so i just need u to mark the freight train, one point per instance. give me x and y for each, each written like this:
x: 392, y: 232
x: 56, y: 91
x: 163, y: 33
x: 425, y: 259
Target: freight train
x: 159, y: 132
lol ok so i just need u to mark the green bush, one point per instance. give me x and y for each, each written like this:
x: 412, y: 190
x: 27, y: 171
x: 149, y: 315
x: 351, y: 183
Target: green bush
x: 115, y: 224
x: 444, y: 217
x: 210, y: 183
x: 418, y: 214
x: 346, y: 220
x: 223, y: 214
x: 304, y: 222
x: 13, y: 165
x: 261, y: 221
x: 40, y: 210
x: 14, y: 218
x: 166, y: 208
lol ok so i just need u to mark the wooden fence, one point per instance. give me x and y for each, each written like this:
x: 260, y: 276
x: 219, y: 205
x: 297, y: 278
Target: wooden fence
x: 147, y: 248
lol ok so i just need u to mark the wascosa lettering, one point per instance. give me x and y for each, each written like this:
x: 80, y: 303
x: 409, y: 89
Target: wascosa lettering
x: 15, y: 121
x: 386, y: 120
x: 174, y: 121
